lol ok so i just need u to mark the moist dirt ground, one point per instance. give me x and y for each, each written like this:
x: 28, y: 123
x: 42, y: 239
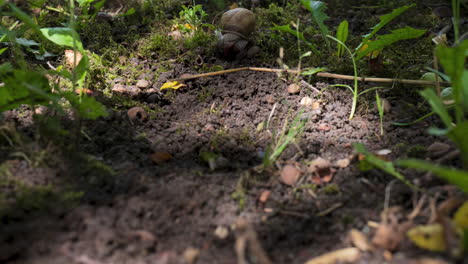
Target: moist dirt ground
x: 156, y: 197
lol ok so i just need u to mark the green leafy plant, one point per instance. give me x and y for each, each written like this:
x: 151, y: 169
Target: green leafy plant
x: 317, y: 10
x: 456, y: 126
x: 299, y: 35
x: 34, y: 87
x: 368, y: 45
x: 354, y: 90
x: 381, y: 164
x: 283, y: 139
x: 380, y: 109
x: 342, y: 35
x: 191, y: 18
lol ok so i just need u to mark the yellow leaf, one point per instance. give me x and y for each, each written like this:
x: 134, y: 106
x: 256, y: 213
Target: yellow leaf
x: 189, y: 26
x: 429, y: 237
x: 172, y: 85
x: 461, y: 216
x: 374, y: 54
x: 233, y: 6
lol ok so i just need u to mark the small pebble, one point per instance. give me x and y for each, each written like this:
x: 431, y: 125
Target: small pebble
x: 306, y: 101
x: 142, y: 83
x: 294, y: 88
x: 270, y: 99
x: 290, y: 175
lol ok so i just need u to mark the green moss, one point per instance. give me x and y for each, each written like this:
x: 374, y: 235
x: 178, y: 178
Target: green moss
x: 159, y: 46
x: 416, y: 151
x: 331, y: 189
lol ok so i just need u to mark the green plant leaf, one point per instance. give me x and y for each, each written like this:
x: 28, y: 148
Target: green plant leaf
x: 129, y: 12
x: 23, y: 87
x: 63, y: 36
x: 388, y: 39
x: 81, y: 70
x: 384, y: 20
x: 437, y: 106
x: 3, y: 50
x: 453, y: 62
x: 459, y: 135
x: 27, y: 42
x: 453, y: 176
x: 386, y: 166
x: 84, y: 2
x: 297, y: 34
x: 313, y: 71
x: 87, y: 107
x: 26, y: 19
x: 317, y: 9
x: 342, y: 35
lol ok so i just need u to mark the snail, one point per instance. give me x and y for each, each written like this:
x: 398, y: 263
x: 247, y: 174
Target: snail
x: 237, y: 25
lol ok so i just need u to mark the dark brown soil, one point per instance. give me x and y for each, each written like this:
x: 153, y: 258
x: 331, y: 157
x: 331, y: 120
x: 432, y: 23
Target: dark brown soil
x: 144, y: 212
x: 152, y: 212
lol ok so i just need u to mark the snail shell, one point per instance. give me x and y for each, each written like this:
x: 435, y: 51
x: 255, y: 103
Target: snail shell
x: 238, y: 20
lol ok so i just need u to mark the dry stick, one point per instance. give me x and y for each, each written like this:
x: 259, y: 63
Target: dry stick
x: 320, y: 74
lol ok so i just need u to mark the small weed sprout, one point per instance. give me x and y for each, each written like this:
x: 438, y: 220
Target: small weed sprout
x: 354, y: 90
x: 380, y: 108
x: 280, y: 141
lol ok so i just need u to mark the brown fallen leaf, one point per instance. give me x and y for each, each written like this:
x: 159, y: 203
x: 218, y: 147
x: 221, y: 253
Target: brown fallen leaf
x: 84, y: 90
x: 160, y: 157
x: 345, y: 255
x: 70, y: 58
x: 264, y: 196
x: 321, y: 171
x: 343, y: 163
x: 190, y: 255
x: 360, y: 240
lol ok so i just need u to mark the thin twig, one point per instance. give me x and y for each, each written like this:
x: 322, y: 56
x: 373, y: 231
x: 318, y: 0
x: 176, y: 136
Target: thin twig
x: 320, y: 74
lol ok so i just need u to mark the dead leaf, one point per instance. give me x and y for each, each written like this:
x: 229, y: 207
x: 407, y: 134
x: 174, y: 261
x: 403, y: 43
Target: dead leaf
x: 175, y: 34
x: 321, y: 170
x: 264, y: 196
x: 191, y: 254
x: 345, y: 255
x: 461, y: 216
x: 290, y: 175
x: 430, y: 237
x: 360, y: 240
x: 160, y: 157
x: 343, y: 163
x: 86, y: 91
x: 172, y: 85
x: 70, y: 58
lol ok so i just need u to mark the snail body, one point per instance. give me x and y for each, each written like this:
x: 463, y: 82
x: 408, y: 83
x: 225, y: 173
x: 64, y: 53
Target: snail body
x: 237, y: 25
